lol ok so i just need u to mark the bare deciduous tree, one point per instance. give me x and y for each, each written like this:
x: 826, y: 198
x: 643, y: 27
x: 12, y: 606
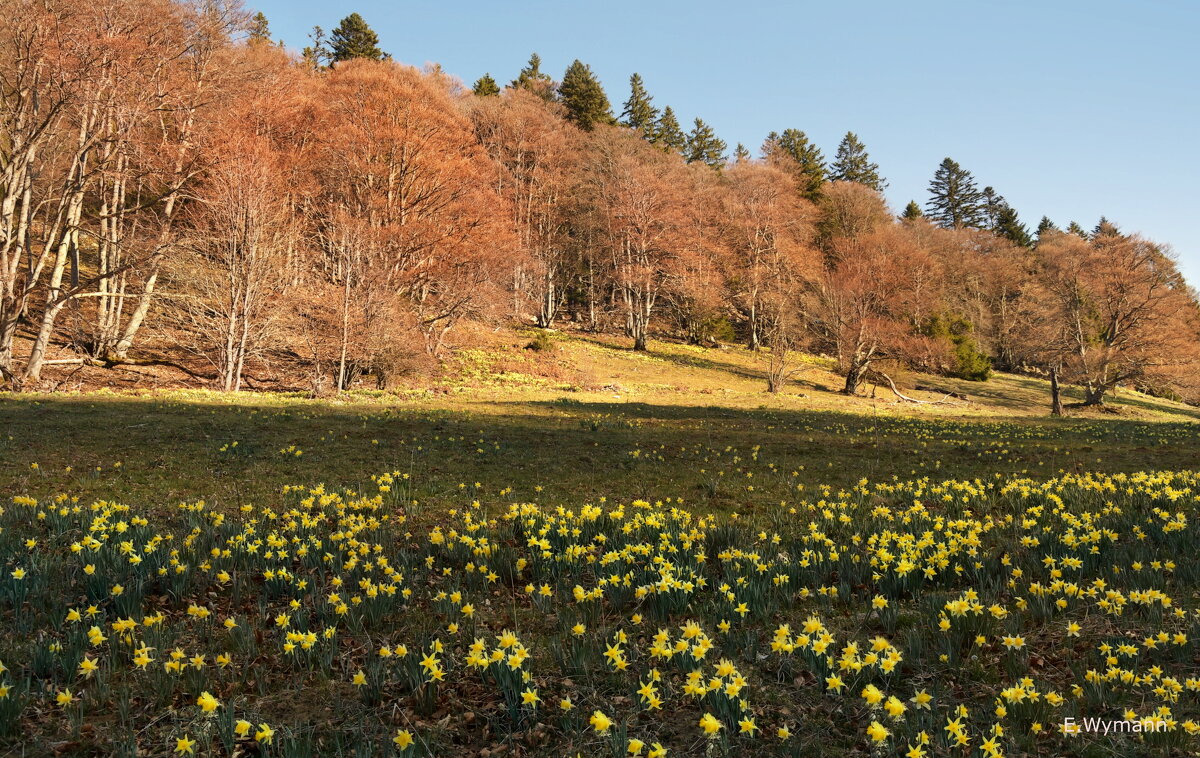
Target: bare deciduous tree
x: 1119, y: 311
x: 862, y: 306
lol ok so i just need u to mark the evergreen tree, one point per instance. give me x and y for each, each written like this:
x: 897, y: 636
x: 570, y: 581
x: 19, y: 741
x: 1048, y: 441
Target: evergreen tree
x: 317, y: 54
x: 740, y: 153
x: 1077, y: 230
x: 1001, y: 218
x: 1011, y: 228
x: 485, y: 86
x: 1105, y: 228
x: 260, y: 29
x: 993, y: 205
x: 1044, y: 226
x: 955, y: 201
x: 808, y: 157
x: 531, y: 78
x: 704, y: 145
x: 639, y: 113
x: 581, y: 93
x: 667, y: 133
x: 912, y: 211
x: 354, y: 39
x: 852, y: 164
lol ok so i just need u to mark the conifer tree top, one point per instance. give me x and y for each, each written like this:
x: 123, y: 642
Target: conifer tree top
x: 809, y: 161
x: 955, y: 201
x: 260, y: 28
x: 639, y: 113
x: 852, y: 164
x: 668, y: 134
x: 704, y: 146
x: 353, y: 38
x: 533, y: 79
x: 485, y: 86
x: 584, y: 97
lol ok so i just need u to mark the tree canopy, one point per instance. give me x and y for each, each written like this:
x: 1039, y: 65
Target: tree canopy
x: 955, y: 201
x: 584, y: 98
x: 852, y: 164
x: 353, y: 38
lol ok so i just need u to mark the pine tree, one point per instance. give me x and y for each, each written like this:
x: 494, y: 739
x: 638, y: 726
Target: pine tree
x: 1009, y: 226
x: 581, y: 93
x: 354, y: 39
x: 810, y: 162
x: 704, y: 145
x: 531, y: 78
x: 639, y: 113
x: 1077, y: 230
x: 852, y: 164
x: 993, y: 205
x: 1044, y: 226
x: 667, y: 133
x: 740, y: 153
x: 260, y: 29
x: 912, y: 211
x: 485, y: 86
x: 1105, y: 228
x: 955, y: 201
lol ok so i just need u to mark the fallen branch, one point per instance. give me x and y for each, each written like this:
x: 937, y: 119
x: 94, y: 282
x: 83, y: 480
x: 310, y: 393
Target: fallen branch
x: 951, y: 393
x: 945, y: 400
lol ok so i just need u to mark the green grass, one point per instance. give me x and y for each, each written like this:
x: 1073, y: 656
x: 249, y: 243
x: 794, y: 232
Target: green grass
x: 167, y: 449
x: 610, y: 421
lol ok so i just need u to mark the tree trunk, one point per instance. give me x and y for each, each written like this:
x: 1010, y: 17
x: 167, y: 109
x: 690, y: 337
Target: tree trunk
x: 8, y: 330
x: 591, y: 295
x: 1056, y: 405
x: 752, y: 343
x: 853, y: 377
x: 55, y: 298
x: 637, y: 328
x: 549, y: 306
x: 774, y: 377
x: 37, y: 354
x: 342, y: 378
x: 243, y: 340
x: 121, y: 350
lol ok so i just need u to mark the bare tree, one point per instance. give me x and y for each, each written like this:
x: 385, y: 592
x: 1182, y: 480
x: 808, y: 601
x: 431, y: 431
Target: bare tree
x: 1120, y: 311
x: 240, y: 229
x: 695, y: 277
x: 536, y: 151
x: 633, y: 191
x: 862, y: 305
x: 85, y: 85
x: 407, y: 208
x: 770, y: 230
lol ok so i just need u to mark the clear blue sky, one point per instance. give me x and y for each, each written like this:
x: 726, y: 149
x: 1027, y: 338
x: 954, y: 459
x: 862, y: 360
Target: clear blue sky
x: 1068, y: 108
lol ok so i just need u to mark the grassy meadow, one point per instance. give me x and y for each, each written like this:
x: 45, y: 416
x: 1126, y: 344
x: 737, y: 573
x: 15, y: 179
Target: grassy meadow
x: 588, y: 550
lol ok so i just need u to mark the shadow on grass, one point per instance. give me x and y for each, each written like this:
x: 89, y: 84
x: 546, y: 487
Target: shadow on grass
x: 172, y: 450
x: 1022, y: 393
x: 703, y: 362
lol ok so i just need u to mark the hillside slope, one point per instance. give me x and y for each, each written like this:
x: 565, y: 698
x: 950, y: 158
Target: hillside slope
x: 502, y: 365
x: 603, y: 368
